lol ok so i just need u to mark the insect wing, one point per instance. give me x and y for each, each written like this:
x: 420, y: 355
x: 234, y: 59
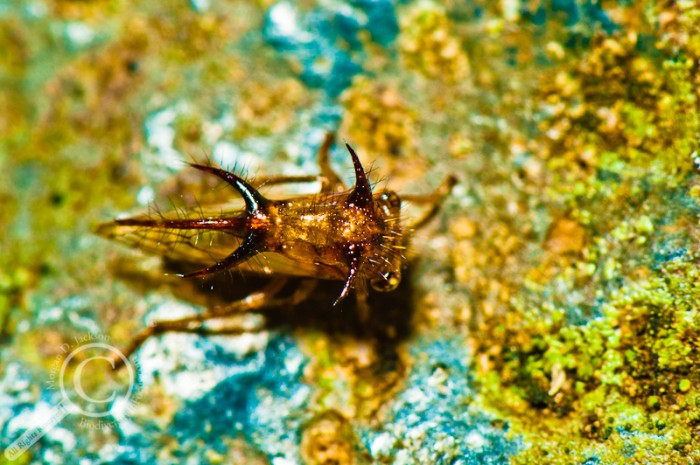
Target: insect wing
x: 175, y: 235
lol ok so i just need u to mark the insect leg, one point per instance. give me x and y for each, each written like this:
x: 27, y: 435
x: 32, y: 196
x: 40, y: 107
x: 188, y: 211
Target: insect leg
x: 194, y: 323
x: 214, y: 321
x: 330, y: 182
x: 434, y: 200
x: 302, y: 293
x: 281, y: 179
x: 361, y: 294
x: 265, y: 298
x: 197, y: 324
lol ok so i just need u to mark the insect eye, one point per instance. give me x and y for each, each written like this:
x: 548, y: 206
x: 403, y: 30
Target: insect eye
x: 392, y: 199
x: 387, y: 282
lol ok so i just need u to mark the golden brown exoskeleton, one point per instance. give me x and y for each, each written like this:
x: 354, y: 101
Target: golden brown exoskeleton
x: 351, y: 235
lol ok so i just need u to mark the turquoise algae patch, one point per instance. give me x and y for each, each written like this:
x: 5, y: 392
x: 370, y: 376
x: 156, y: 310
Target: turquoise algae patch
x: 432, y: 419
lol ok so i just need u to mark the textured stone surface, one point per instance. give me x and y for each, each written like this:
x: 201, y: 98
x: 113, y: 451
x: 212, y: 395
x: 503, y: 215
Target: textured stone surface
x: 550, y: 313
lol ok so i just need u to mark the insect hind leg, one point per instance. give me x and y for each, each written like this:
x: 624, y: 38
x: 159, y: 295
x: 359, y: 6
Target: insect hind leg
x: 206, y: 324
x: 215, y: 322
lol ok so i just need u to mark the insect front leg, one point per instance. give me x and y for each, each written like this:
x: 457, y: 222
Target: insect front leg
x: 434, y: 200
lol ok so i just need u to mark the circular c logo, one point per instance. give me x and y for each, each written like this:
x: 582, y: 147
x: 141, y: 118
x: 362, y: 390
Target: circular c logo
x: 77, y: 378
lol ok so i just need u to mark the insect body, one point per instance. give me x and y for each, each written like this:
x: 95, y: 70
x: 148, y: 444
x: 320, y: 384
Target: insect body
x: 350, y: 235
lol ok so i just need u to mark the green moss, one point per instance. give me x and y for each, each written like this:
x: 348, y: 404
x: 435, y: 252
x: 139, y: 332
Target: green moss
x: 24, y: 459
x: 607, y: 360
x: 629, y: 367
x: 617, y: 112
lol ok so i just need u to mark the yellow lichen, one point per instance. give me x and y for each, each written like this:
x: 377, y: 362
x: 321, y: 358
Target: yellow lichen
x: 378, y: 119
x: 269, y: 108
x: 328, y: 440
x: 429, y: 45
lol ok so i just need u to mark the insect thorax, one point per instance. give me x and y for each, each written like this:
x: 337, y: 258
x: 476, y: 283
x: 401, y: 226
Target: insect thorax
x: 329, y: 232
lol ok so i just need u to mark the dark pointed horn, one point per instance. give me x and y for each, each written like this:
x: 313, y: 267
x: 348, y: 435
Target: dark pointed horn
x: 352, y: 275
x: 254, y: 201
x: 255, y: 204
x: 244, y: 251
x: 362, y: 193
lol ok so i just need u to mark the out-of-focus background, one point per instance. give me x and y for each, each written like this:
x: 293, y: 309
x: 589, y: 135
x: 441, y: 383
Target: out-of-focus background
x: 550, y: 312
